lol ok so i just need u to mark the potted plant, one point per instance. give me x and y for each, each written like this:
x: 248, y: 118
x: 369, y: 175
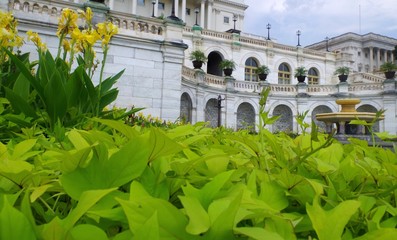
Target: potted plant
x: 342, y: 73
x: 198, y: 58
x: 389, y: 68
x: 227, y: 66
x: 262, y: 72
x: 300, y: 74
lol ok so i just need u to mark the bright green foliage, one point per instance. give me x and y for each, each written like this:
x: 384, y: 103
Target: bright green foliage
x: 191, y: 182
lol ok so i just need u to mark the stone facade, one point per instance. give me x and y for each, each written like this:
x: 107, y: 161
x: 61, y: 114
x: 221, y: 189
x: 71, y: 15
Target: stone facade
x: 154, y: 51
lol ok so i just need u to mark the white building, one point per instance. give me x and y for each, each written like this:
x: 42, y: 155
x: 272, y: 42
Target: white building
x: 154, y: 51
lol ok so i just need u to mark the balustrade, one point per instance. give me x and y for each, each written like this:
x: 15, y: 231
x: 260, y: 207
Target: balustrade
x: 282, y: 89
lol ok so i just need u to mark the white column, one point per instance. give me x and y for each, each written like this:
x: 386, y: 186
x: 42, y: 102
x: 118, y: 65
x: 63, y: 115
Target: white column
x: 111, y: 4
x: 202, y: 13
x: 384, y: 55
x: 133, y: 6
x: 377, y: 59
x: 176, y: 7
x: 371, y: 59
x: 183, y: 10
x: 392, y: 57
x: 209, y: 15
x: 156, y: 8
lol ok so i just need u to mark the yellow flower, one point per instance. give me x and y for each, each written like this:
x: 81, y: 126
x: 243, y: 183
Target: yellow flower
x: 34, y: 37
x: 106, y: 32
x: 66, y: 45
x: 67, y: 22
x: 87, y: 15
x: 9, y: 33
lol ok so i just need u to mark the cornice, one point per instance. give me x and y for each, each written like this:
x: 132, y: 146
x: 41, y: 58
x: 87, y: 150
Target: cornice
x: 233, y: 3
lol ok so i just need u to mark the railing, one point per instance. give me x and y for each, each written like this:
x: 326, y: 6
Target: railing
x: 281, y: 89
x: 51, y: 8
x: 322, y: 89
x: 245, y: 86
x: 129, y: 23
x: 363, y: 87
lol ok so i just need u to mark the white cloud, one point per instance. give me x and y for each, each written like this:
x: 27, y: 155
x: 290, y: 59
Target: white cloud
x: 320, y: 18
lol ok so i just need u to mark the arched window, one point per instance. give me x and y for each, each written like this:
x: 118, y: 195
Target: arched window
x: 312, y: 77
x: 250, y: 66
x: 284, y: 74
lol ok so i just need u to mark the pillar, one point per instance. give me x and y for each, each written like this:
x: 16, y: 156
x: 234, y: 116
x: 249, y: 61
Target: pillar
x: 134, y: 3
x: 183, y: 15
x: 202, y: 13
x: 392, y: 57
x: 111, y: 4
x: 371, y: 59
x: 156, y: 8
x: 209, y: 15
x: 377, y: 58
x: 176, y: 2
x: 385, y: 55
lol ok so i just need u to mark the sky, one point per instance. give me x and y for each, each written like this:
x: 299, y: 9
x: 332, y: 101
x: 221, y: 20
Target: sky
x: 318, y: 19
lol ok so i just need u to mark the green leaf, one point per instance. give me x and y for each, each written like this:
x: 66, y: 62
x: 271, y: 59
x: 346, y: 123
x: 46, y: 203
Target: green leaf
x: 223, y: 213
x: 258, y: 233
x: 149, y: 229
x: 330, y: 224
x: 86, y: 201
x: 22, y: 149
x: 14, y: 225
x: 199, y: 221
x: 86, y: 232
x: 123, y: 166
x: 384, y: 233
x: 161, y: 144
x: 19, y: 104
x: 119, y: 126
x: 171, y: 221
x: 273, y: 195
x: 207, y: 194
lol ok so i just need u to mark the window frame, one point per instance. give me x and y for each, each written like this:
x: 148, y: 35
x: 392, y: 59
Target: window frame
x: 284, y: 77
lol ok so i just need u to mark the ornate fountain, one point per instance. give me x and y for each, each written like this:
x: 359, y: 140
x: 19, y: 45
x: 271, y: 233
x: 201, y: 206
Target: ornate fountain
x: 347, y: 113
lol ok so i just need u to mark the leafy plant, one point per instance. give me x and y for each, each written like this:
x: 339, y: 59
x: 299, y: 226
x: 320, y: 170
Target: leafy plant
x: 263, y: 69
x: 388, y: 67
x: 227, y: 64
x: 198, y: 55
x: 300, y: 71
x: 342, y: 71
x: 54, y: 93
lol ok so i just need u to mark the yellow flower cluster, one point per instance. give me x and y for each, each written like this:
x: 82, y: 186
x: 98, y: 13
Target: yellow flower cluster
x: 106, y: 31
x: 8, y: 34
x: 34, y: 38
x: 67, y: 22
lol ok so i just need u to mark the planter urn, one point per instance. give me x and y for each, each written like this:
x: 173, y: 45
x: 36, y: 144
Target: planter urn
x: 262, y: 76
x: 342, y: 78
x: 390, y: 74
x: 228, y: 72
x: 197, y: 64
x: 301, y: 79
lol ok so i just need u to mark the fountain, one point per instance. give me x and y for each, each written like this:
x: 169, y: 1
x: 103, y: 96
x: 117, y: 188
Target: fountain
x: 347, y: 113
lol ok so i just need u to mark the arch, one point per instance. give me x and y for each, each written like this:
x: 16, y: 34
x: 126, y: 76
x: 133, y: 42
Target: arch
x: 285, y: 122
x: 371, y: 109
x: 214, y: 59
x: 54, y: 11
x: 36, y: 8
x: 245, y: 116
x: 313, y: 76
x: 211, y: 112
x: 160, y: 31
x: 284, y: 73
x: 321, y: 109
x: 186, y: 108
x: 251, y: 64
x: 17, y: 5
x: 26, y: 7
